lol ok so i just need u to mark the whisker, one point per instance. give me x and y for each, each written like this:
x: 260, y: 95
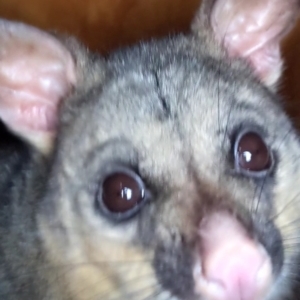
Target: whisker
x: 137, y: 279
x: 227, y: 122
x: 290, y: 223
x: 71, y: 267
x: 218, y: 106
x: 153, y: 296
x: 291, y: 238
x: 133, y: 293
x: 260, y: 194
x: 273, y: 218
x: 284, y: 137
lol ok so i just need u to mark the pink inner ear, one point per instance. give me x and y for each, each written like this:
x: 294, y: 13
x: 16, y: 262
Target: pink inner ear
x: 30, y: 90
x: 36, y: 72
x: 253, y: 30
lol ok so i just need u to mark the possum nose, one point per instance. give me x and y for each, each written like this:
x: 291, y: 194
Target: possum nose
x: 233, y: 266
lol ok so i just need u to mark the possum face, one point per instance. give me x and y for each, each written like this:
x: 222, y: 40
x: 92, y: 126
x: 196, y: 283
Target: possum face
x: 174, y: 174
x: 183, y: 187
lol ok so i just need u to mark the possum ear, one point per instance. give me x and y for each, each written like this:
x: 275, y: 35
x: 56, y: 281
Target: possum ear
x: 36, y: 73
x: 251, y: 30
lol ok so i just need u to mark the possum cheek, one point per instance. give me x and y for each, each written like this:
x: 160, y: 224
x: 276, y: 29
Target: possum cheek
x: 287, y: 221
x: 229, y: 265
x: 91, y: 268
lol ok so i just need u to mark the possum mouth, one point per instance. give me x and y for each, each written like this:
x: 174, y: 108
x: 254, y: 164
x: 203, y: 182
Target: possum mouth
x: 229, y: 265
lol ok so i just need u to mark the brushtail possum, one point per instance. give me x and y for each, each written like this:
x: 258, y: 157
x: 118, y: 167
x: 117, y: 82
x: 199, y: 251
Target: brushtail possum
x: 167, y: 170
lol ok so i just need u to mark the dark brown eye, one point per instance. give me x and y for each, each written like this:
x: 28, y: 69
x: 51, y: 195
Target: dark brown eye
x: 122, y: 192
x: 252, y: 154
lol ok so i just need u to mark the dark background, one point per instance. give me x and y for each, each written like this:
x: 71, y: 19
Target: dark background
x: 104, y: 25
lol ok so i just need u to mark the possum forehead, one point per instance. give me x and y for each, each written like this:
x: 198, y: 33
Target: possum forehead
x: 186, y: 104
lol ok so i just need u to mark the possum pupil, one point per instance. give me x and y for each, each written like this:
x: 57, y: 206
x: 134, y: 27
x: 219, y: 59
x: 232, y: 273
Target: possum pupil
x: 121, y: 192
x: 253, y: 154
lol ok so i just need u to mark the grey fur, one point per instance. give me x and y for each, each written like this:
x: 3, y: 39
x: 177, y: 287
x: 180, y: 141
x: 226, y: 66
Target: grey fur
x: 169, y: 109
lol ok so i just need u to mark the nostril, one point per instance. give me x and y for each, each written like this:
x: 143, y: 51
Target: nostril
x: 230, y: 266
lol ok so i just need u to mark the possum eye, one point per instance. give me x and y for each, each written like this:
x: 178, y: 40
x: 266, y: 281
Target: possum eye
x: 121, y: 194
x: 252, y: 155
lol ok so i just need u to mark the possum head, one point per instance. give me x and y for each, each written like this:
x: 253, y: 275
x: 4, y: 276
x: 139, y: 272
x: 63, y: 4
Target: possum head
x: 174, y: 170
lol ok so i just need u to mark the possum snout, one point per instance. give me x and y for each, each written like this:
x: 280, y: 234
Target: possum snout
x: 230, y: 265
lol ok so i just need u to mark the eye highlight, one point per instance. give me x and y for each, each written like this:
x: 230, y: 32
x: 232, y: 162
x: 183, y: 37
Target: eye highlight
x: 121, y: 194
x: 252, y: 155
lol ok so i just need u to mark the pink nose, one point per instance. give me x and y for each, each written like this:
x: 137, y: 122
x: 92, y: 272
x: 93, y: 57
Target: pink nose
x: 231, y: 266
